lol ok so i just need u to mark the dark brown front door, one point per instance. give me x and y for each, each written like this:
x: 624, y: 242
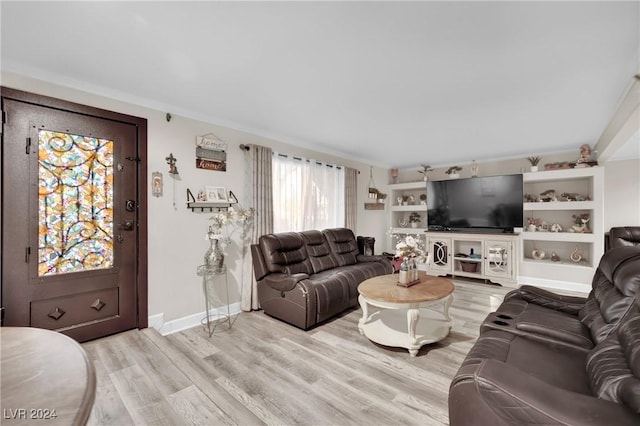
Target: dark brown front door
x: 71, y: 218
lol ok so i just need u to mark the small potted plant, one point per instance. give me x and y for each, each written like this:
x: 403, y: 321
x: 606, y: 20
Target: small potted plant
x: 534, y: 163
x: 414, y: 219
x: 453, y: 172
x: 425, y: 171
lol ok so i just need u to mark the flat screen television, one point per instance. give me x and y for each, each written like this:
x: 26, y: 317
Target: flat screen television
x: 481, y: 204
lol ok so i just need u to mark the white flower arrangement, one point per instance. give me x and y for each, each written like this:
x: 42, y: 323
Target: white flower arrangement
x: 409, y: 247
x: 225, y: 223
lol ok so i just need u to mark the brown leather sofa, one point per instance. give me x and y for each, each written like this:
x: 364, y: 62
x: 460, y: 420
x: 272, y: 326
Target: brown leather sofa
x: 307, y: 277
x: 543, y: 358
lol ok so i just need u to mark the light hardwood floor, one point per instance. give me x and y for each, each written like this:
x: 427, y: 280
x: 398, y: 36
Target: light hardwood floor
x: 264, y: 371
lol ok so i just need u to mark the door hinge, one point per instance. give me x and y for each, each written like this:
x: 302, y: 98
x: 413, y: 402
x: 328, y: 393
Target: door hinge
x: 136, y: 159
x: 27, y: 254
x: 28, y: 146
x: 4, y: 117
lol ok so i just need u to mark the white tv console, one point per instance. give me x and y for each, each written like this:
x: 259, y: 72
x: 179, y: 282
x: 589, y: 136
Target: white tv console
x: 495, y: 256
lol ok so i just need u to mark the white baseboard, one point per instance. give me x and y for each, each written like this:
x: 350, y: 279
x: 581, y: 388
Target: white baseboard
x: 555, y: 285
x: 156, y: 321
x: 174, y: 326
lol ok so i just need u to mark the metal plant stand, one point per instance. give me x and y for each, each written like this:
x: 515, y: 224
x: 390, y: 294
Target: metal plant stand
x: 213, y: 280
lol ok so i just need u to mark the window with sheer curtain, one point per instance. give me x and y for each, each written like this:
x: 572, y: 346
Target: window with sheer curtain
x: 307, y: 194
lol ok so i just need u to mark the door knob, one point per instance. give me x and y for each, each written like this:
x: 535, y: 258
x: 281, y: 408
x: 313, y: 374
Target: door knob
x: 127, y: 225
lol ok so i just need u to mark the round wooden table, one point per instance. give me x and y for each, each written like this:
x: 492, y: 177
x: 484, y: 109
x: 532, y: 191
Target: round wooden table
x: 404, y: 317
x: 46, y: 378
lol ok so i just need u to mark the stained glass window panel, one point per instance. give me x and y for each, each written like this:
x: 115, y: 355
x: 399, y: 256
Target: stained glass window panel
x: 75, y: 203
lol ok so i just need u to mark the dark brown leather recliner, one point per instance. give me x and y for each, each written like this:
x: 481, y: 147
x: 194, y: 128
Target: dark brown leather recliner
x: 623, y: 236
x: 569, y: 320
x: 307, y: 277
x: 511, y: 377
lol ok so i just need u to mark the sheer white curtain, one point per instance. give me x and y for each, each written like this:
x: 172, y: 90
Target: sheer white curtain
x: 307, y: 194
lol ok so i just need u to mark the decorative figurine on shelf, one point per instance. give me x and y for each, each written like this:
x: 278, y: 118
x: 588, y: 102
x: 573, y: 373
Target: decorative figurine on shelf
x: 574, y: 197
x: 576, y: 255
x: 425, y: 171
x: 423, y: 199
x: 548, y: 195
x: 474, y: 168
x: 556, y: 228
x: 414, y: 219
x: 532, y: 224
x: 581, y: 223
x: 528, y: 198
x: 538, y: 254
x: 555, y: 257
x: 394, y: 175
x: 453, y: 172
x: 585, y: 156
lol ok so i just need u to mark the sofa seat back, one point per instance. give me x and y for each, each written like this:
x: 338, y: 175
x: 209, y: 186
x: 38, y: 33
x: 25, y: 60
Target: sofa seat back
x: 613, y: 366
x: 615, y: 285
x: 319, y: 251
x: 285, y: 252
x: 622, y: 236
x: 343, y: 244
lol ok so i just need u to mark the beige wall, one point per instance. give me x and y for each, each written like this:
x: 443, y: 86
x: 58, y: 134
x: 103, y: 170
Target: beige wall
x: 176, y: 235
x: 622, y: 193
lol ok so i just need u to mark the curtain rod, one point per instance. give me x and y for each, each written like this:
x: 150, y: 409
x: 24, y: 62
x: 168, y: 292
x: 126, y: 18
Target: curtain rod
x: 320, y: 163
x: 244, y: 147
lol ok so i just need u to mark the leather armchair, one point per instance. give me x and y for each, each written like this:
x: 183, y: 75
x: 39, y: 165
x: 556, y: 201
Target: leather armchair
x: 549, y: 365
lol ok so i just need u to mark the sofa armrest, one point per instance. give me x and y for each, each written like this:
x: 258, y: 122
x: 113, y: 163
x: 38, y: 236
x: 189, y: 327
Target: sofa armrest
x: 548, y: 299
x: 517, y: 398
x: 381, y: 259
x: 284, y: 282
x: 363, y: 258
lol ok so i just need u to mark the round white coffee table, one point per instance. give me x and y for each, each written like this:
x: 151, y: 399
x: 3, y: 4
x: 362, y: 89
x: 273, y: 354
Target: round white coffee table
x: 404, y: 317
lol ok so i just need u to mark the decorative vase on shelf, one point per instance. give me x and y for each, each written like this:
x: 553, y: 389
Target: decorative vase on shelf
x: 214, y: 258
x: 414, y: 224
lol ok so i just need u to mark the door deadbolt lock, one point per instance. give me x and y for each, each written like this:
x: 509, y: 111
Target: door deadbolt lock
x: 130, y: 205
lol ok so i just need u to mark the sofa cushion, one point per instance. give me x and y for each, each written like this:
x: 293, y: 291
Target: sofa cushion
x: 318, y: 251
x: 555, y: 325
x: 359, y: 272
x: 344, y: 246
x: 331, y: 292
x: 285, y: 252
x: 567, y: 371
x: 552, y: 316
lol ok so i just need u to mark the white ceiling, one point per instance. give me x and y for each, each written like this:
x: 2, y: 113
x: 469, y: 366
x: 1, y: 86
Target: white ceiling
x: 389, y: 83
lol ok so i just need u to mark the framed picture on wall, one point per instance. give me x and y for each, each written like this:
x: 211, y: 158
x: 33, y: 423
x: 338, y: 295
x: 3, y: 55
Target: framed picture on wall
x: 216, y: 194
